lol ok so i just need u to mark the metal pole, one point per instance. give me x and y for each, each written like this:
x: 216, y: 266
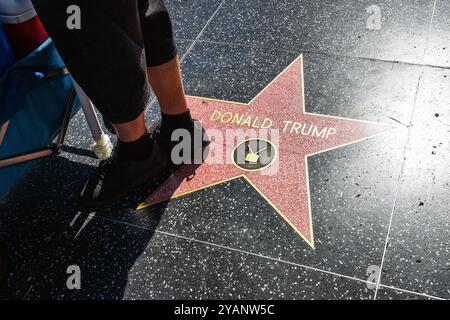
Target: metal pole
x: 65, y: 124
x: 102, y: 145
x: 26, y: 157
x: 89, y: 113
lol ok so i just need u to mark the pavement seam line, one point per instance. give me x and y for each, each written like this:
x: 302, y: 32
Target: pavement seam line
x: 404, y: 154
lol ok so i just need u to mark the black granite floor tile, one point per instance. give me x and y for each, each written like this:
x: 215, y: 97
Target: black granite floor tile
x: 232, y: 73
x: 360, y: 89
x: 338, y: 86
x: 120, y: 261
x: 183, y: 46
x: 438, y: 52
x: 385, y: 293
x: 190, y: 16
x: 418, y: 254
x: 37, y: 212
x: 334, y: 27
x: 103, y: 254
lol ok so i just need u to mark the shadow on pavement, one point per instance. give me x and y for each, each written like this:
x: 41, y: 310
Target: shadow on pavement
x: 44, y: 230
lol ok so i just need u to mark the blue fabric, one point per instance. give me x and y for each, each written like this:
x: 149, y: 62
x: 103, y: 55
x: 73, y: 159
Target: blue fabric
x: 6, y: 53
x: 33, y: 105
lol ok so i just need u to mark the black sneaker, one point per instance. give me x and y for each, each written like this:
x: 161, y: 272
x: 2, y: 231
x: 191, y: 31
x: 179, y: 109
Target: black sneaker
x: 164, y: 139
x: 198, y: 147
x: 115, y: 177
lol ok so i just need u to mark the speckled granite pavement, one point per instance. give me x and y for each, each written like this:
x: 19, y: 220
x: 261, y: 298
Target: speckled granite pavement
x: 380, y: 208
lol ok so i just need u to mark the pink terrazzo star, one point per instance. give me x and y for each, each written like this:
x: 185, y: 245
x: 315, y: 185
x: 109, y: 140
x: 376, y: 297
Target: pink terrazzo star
x: 284, y: 183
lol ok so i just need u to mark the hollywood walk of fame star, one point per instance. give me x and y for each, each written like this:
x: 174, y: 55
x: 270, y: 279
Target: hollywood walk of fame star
x: 279, y: 106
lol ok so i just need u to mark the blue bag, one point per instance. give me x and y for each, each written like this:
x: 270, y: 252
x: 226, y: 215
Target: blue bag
x: 33, y: 105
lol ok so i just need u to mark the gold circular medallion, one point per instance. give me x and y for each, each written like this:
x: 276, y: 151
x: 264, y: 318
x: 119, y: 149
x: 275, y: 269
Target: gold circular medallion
x: 254, y: 155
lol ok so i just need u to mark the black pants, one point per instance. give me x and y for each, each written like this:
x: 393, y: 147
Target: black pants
x: 108, y: 56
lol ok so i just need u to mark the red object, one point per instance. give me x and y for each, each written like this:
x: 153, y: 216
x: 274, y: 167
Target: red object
x: 25, y: 37
x: 285, y: 183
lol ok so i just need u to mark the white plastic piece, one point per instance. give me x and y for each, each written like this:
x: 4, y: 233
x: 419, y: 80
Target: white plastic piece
x: 103, y: 147
x: 89, y: 112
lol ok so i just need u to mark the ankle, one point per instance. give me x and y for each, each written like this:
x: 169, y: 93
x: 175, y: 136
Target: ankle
x: 131, y: 131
